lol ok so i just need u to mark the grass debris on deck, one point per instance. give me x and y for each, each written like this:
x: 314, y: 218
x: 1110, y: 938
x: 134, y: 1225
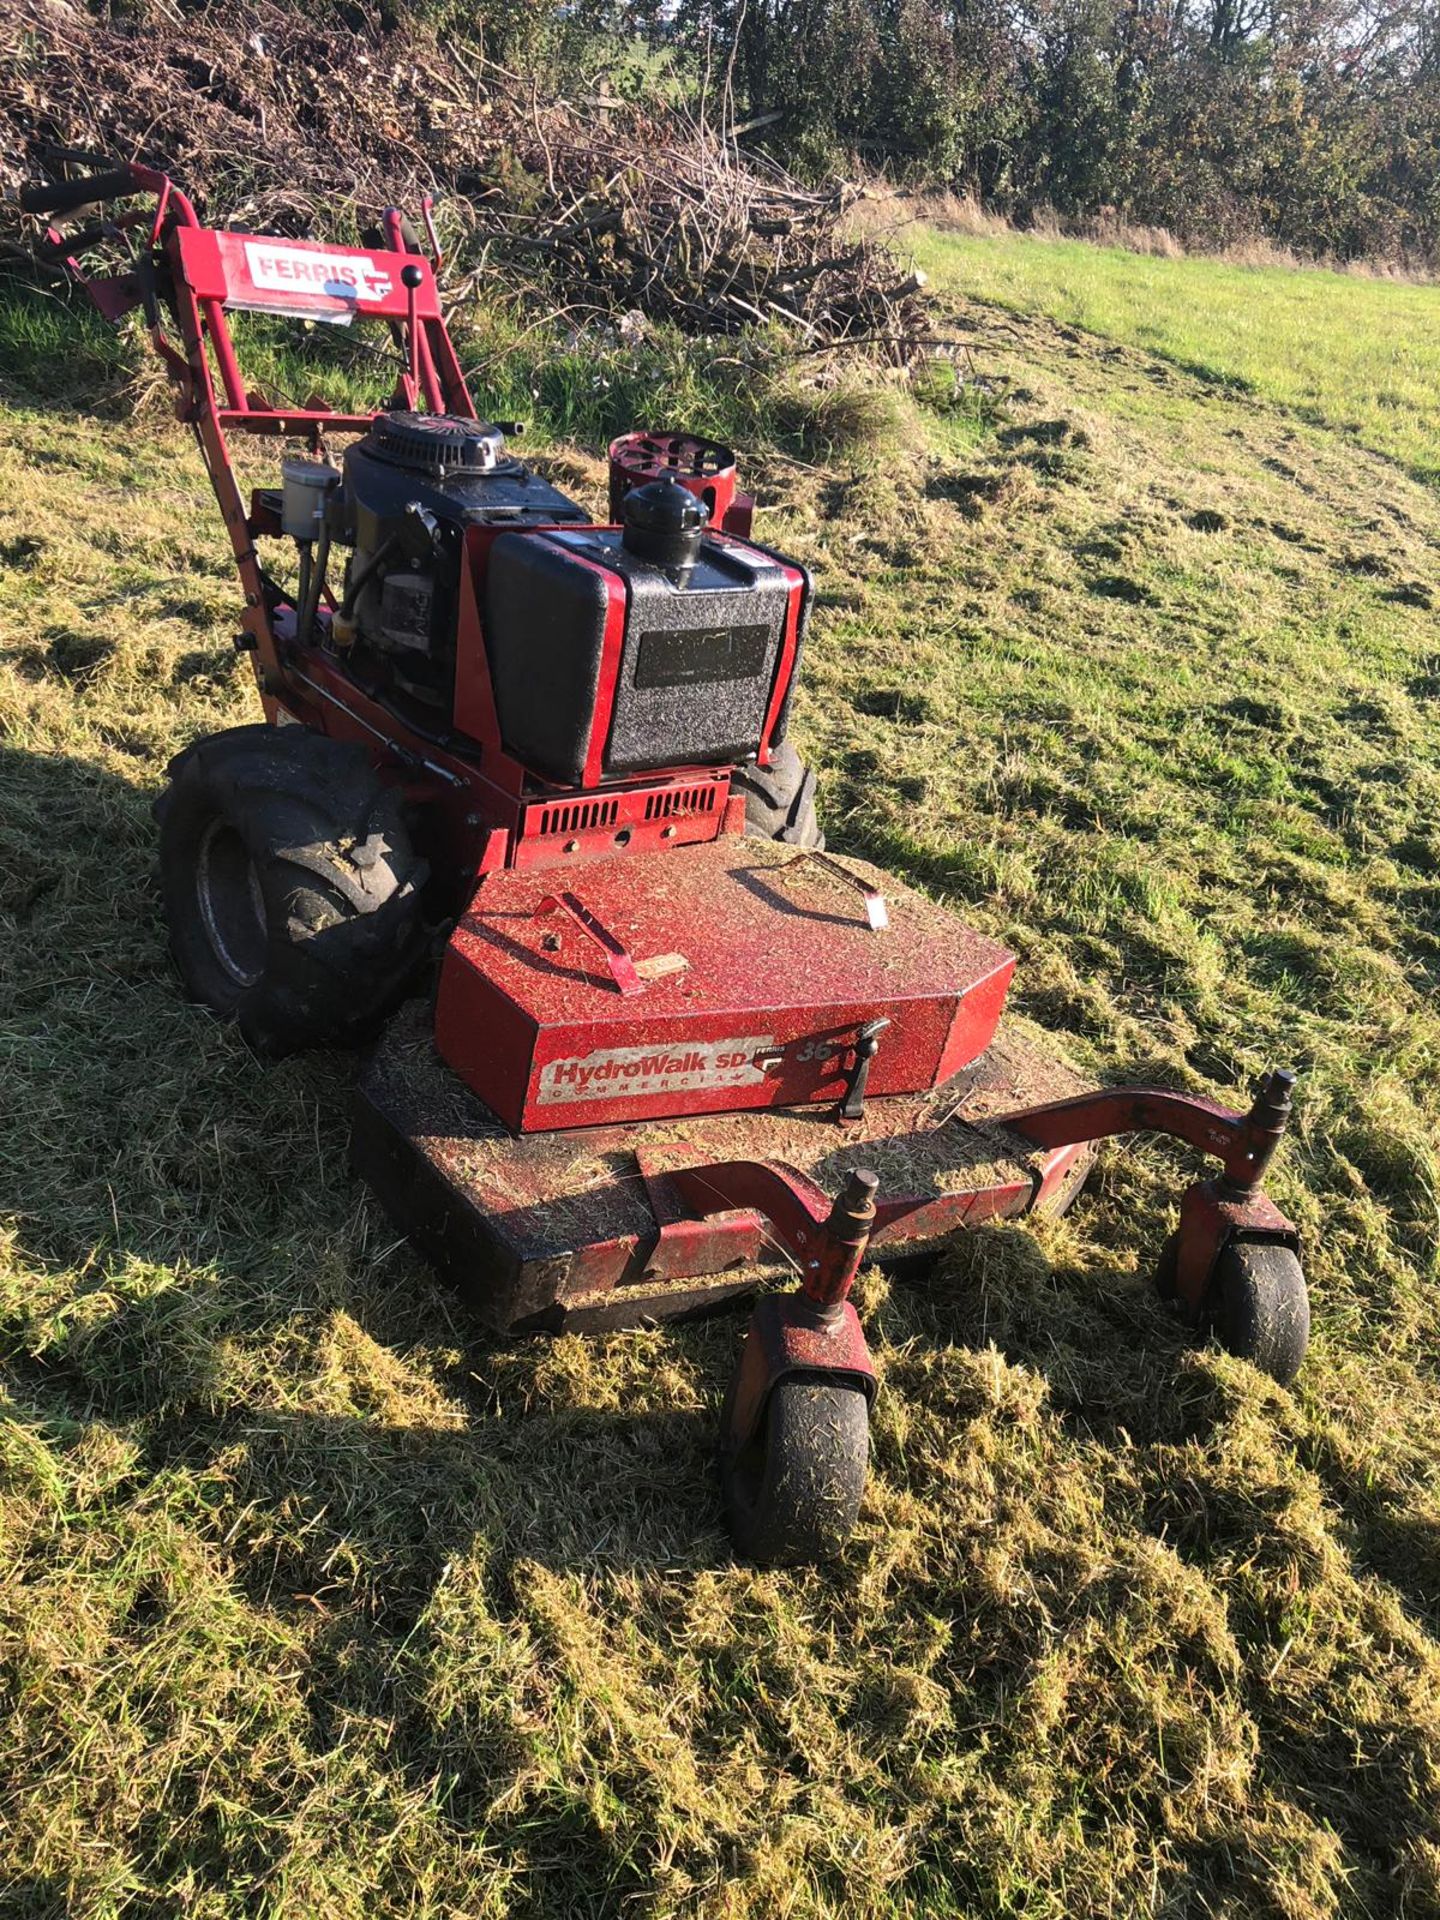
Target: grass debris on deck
x: 314, y: 1602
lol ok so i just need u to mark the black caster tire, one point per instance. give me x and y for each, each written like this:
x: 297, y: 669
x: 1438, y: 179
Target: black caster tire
x: 290, y: 886
x: 1259, y: 1308
x: 780, y: 800
x: 792, y: 1496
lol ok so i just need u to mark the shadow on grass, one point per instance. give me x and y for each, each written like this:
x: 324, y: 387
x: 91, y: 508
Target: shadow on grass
x: 194, y: 1256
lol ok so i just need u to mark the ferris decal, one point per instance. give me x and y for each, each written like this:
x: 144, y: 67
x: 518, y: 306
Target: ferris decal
x: 619, y: 1073
x: 274, y: 268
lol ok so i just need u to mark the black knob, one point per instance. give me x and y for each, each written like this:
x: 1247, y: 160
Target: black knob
x: 412, y: 276
x: 664, y: 524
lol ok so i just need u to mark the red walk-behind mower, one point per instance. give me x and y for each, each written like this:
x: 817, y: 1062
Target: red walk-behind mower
x: 673, y: 1042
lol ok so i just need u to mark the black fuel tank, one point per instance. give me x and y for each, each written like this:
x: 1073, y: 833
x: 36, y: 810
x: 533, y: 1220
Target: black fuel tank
x: 692, y: 668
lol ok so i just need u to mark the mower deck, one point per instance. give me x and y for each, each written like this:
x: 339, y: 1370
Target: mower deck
x: 770, y: 960
x: 581, y: 1229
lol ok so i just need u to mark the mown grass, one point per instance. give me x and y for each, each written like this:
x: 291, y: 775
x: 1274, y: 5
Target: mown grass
x: 1360, y: 356
x: 313, y: 1601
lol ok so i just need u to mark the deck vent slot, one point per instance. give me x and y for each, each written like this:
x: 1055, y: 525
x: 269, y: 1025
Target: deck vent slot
x: 673, y: 800
x: 576, y: 816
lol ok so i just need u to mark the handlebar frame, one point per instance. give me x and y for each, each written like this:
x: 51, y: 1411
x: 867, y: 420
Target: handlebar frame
x: 185, y: 276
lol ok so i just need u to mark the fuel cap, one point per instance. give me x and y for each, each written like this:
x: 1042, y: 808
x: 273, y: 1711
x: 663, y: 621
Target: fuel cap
x: 664, y: 524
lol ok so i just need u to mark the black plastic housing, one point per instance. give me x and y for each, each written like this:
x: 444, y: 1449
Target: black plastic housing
x: 377, y: 492
x: 694, y: 668
x: 411, y: 486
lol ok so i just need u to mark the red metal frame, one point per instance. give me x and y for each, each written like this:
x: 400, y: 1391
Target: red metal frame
x: 789, y: 657
x: 814, y: 1328
x: 801, y: 1214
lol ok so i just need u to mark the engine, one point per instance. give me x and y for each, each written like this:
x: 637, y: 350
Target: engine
x: 610, y: 651
x: 407, y: 491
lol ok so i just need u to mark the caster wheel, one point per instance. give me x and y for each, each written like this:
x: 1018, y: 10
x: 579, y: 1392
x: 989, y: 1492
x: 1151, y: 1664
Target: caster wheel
x: 1258, y: 1308
x: 792, y: 1494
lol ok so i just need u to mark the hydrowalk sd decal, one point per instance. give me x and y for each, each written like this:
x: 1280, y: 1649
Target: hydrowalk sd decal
x: 634, y: 1072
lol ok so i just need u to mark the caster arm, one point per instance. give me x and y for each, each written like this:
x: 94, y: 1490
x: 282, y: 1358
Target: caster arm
x: 1244, y: 1142
x: 1215, y: 1215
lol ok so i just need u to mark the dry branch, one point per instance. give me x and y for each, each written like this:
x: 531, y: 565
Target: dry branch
x: 279, y: 124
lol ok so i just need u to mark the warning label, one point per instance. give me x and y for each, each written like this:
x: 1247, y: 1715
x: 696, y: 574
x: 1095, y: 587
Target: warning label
x: 635, y: 1072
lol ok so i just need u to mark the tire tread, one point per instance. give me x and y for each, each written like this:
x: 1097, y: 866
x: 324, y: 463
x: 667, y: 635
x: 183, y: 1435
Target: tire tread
x: 780, y: 800
x: 802, y: 1504
x: 303, y: 804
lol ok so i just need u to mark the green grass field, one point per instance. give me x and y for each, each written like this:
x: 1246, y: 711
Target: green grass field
x: 315, y: 1602
x: 1359, y: 356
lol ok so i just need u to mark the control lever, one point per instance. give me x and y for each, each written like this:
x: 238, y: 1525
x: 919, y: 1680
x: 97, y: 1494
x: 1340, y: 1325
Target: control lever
x: 867, y: 1045
x: 412, y: 278
x: 877, y: 916
x: 617, y: 958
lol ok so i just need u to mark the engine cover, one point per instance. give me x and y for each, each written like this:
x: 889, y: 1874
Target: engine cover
x: 604, y: 664
x: 411, y: 487
x: 456, y: 470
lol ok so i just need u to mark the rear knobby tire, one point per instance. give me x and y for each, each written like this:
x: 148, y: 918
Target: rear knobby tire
x: 290, y: 885
x: 1258, y: 1307
x: 792, y: 1495
x: 780, y: 800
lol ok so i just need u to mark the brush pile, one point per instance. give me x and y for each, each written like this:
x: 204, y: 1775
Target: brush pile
x: 281, y: 122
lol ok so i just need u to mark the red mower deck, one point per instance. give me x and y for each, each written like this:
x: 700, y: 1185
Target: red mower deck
x: 584, y: 1229
x: 765, y: 964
